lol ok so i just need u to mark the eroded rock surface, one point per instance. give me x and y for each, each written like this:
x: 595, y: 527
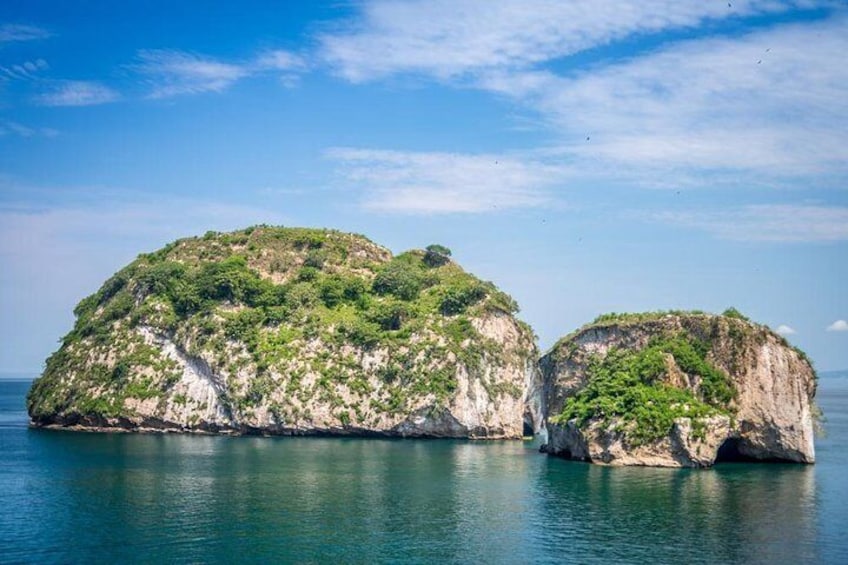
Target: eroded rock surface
x: 678, y: 389
x: 294, y: 331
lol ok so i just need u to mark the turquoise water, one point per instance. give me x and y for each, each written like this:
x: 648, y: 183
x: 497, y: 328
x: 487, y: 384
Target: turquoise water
x: 81, y: 498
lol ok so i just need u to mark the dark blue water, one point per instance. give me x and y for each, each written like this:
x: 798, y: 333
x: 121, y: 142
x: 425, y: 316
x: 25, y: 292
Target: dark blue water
x: 82, y: 498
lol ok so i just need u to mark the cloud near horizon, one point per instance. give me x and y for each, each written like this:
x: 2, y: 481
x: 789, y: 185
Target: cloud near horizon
x: 115, y: 214
x: 838, y: 326
x: 445, y: 183
x: 783, y: 329
x: 766, y: 223
x: 105, y: 227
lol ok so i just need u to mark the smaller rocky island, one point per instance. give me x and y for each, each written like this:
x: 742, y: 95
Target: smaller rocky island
x: 678, y: 389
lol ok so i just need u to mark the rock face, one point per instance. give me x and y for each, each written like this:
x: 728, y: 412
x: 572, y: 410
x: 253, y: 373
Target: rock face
x: 678, y: 390
x: 294, y: 331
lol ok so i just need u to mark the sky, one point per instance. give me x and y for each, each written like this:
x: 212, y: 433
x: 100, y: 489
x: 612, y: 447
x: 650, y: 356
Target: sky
x: 587, y: 156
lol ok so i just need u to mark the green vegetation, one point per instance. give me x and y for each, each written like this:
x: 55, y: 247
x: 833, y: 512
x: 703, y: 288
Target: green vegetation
x: 403, y: 277
x: 436, y: 255
x: 631, y: 387
x: 438, y: 249
x: 734, y: 313
x: 286, y: 302
x: 641, y: 317
x: 457, y: 299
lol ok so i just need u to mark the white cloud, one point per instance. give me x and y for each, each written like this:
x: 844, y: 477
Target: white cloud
x: 21, y: 130
x: 838, y: 326
x: 77, y: 93
x: 285, y: 191
x: 28, y: 70
x: 171, y: 73
x: 451, y: 38
x: 783, y: 329
x: 279, y: 60
x: 770, y: 105
x: 20, y: 32
x: 434, y: 183
x: 108, y: 221
x: 771, y: 223
x: 766, y: 108
x: 108, y: 226
x: 288, y: 64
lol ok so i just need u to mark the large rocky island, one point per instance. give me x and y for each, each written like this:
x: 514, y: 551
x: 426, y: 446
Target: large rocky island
x: 294, y: 331
x: 678, y: 389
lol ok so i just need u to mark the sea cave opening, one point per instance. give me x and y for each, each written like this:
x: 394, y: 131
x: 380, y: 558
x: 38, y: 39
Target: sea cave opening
x: 729, y: 452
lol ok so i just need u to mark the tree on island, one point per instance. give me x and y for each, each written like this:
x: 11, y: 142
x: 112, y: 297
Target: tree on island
x: 436, y: 255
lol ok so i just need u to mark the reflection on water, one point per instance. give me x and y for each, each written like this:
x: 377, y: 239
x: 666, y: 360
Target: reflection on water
x: 225, y: 499
x: 92, y: 497
x: 734, y: 513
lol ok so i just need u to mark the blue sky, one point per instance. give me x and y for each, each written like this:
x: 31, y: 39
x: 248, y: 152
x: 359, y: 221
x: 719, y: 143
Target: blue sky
x: 588, y: 156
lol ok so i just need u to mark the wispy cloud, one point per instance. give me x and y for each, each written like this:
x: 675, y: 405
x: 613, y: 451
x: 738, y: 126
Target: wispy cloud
x: 282, y: 191
x: 21, y: 32
x: 21, y: 130
x: 838, y: 326
x: 172, y: 73
x: 783, y: 329
x: 766, y: 108
x: 438, y: 183
x: 279, y: 60
x: 28, y: 70
x: 770, y: 223
x: 288, y: 65
x: 77, y: 93
x: 770, y: 105
x: 455, y: 38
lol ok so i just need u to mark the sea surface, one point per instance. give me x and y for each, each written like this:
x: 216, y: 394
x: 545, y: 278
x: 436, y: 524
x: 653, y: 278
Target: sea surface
x: 107, y: 498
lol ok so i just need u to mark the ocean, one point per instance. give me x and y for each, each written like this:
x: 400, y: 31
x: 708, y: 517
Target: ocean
x: 125, y: 498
